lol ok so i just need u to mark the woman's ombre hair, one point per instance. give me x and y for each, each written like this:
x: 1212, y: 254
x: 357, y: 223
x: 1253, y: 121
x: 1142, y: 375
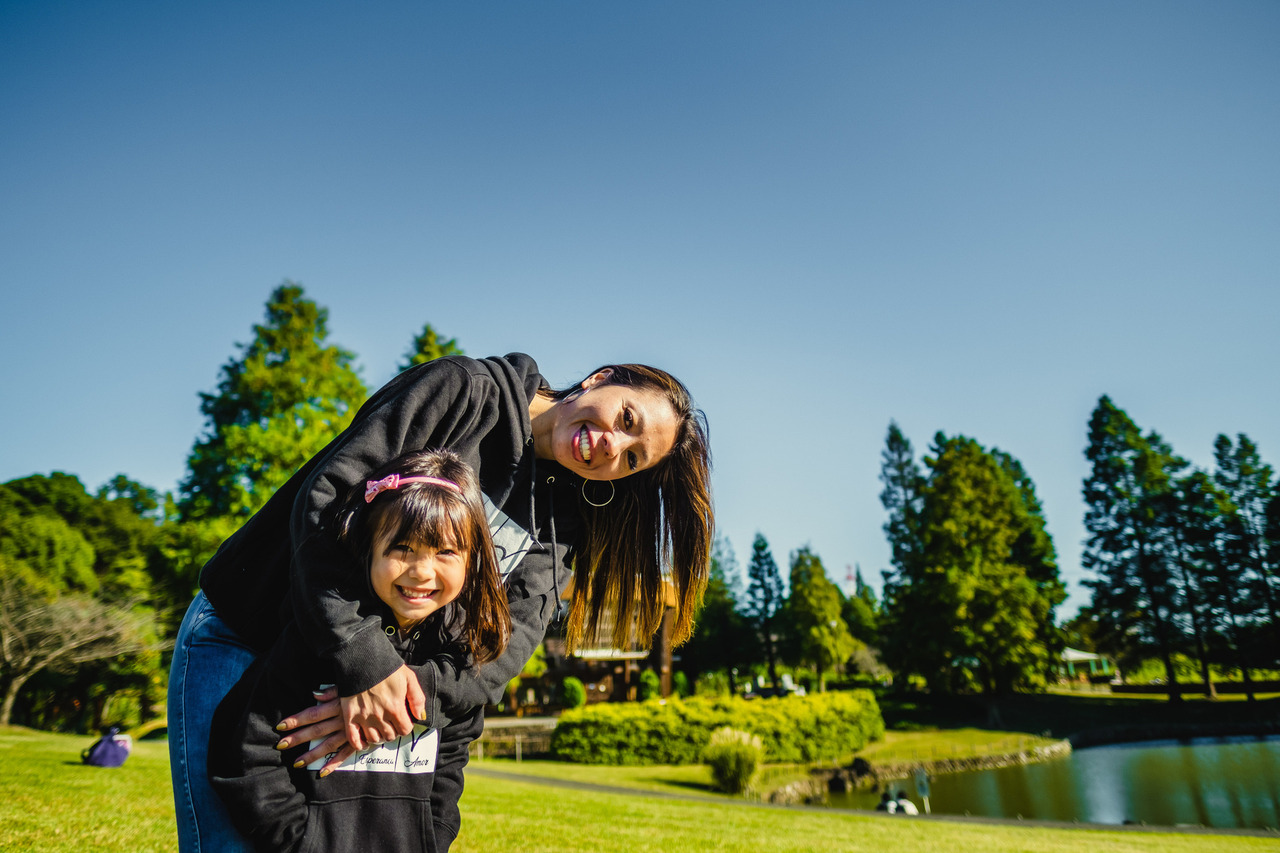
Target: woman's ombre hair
x: 657, y: 529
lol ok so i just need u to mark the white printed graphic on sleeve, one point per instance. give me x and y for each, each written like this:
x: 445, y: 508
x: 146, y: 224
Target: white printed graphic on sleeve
x: 415, y: 753
x: 510, y: 540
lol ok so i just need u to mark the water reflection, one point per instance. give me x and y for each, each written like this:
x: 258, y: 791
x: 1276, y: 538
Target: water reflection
x: 1218, y: 782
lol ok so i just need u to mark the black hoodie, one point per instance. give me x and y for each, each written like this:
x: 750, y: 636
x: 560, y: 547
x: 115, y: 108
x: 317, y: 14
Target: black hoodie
x: 398, y: 796
x: 285, y: 561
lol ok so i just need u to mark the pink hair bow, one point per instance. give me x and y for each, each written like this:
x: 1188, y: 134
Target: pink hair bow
x: 372, y: 488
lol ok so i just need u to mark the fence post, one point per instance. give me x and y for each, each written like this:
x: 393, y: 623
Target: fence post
x: 519, y: 739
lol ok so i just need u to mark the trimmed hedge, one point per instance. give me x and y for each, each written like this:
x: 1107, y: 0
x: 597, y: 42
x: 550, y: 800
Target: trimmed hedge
x: 794, y: 729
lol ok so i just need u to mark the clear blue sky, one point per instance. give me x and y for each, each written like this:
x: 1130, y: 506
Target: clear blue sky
x: 974, y: 217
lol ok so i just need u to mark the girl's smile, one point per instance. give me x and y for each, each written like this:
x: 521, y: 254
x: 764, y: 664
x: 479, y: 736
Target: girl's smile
x: 416, y: 580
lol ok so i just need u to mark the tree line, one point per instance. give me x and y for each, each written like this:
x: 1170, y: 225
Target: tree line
x: 1185, y: 564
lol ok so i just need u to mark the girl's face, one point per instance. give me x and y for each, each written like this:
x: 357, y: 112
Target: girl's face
x: 607, y: 431
x: 414, y: 579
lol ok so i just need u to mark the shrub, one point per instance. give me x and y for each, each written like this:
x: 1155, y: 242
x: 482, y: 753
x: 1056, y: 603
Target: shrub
x: 734, y: 757
x: 573, y: 694
x: 650, y: 686
x: 680, y: 684
x: 792, y: 729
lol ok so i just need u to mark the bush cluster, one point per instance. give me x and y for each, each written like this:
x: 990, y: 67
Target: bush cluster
x: 793, y: 729
x: 734, y: 757
x: 573, y: 693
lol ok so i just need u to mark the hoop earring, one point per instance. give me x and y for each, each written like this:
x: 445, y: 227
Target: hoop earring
x: 612, y: 491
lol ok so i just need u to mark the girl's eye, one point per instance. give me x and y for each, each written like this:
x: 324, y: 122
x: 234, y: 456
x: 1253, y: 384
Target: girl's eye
x: 632, y: 461
x: 446, y: 552
x: 400, y: 547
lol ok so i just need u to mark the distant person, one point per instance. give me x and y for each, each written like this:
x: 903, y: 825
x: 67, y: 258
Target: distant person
x: 110, y: 750
x: 904, y: 805
x: 419, y: 527
x: 887, y: 803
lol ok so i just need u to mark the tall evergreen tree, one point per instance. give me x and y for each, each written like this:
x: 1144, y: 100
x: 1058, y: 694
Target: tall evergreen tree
x: 1135, y: 596
x: 823, y: 638
x: 286, y: 395
x: 428, y: 346
x: 901, y: 498
x: 1248, y: 485
x: 971, y: 596
x: 764, y: 600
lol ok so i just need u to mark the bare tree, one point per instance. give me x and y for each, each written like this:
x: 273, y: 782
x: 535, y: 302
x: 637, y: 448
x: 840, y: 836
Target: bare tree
x: 39, y: 631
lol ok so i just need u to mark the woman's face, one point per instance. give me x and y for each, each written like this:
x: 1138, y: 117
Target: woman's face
x: 414, y: 579
x: 605, y: 432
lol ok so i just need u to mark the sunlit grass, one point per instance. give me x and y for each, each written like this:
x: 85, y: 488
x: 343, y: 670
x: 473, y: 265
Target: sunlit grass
x: 948, y: 744
x: 52, y: 803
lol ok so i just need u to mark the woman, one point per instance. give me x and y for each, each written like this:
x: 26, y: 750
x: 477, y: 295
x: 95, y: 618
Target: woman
x: 539, y: 454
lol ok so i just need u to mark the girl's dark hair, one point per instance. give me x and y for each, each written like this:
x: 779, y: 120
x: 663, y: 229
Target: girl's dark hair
x: 436, y: 515
x: 658, y: 528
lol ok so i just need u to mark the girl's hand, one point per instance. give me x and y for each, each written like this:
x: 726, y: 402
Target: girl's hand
x: 322, y: 722
x: 382, y: 712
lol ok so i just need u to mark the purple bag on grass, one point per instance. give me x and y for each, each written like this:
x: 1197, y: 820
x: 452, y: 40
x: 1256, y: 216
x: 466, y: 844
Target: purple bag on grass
x: 110, y: 750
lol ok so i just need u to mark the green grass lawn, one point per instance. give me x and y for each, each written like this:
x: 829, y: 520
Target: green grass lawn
x: 52, y: 803
x: 49, y: 801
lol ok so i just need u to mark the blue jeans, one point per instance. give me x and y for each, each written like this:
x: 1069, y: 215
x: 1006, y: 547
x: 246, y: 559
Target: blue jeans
x: 208, y: 659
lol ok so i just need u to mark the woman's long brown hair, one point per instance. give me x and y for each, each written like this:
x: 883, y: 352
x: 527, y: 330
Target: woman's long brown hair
x: 658, y: 527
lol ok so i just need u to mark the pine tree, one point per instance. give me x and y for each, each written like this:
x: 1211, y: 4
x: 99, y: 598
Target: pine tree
x: 764, y: 600
x: 428, y: 346
x: 279, y: 403
x: 823, y: 638
x: 1246, y: 481
x: 971, y: 599
x: 1135, y: 596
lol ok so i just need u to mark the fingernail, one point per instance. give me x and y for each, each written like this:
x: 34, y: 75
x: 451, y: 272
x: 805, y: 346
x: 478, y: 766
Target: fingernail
x: 325, y: 772
x: 297, y: 764
x: 283, y: 744
x: 280, y: 726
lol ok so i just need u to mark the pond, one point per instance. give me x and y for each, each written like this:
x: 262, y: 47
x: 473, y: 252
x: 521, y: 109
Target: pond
x: 1216, y: 782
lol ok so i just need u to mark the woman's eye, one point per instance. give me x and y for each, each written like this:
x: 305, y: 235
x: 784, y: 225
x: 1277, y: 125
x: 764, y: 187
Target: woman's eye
x: 632, y: 461
x: 628, y: 419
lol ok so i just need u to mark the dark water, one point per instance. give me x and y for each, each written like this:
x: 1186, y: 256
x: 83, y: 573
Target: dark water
x: 1218, y: 782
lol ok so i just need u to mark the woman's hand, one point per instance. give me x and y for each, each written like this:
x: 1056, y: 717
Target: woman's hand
x: 322, y: 722
x: 382, y: 712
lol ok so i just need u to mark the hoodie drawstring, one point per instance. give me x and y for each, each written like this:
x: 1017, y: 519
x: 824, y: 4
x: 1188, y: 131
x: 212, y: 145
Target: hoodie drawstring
x: 533, y: 525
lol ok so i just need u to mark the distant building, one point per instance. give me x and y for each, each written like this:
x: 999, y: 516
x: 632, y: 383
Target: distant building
x: 1074, y: 661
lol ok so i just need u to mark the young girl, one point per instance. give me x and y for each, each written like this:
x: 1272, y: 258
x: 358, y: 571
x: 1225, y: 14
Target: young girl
x: 419, y: 526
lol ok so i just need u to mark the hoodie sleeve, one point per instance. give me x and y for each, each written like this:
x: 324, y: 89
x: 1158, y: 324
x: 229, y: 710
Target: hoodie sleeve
x: 434, y: 405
